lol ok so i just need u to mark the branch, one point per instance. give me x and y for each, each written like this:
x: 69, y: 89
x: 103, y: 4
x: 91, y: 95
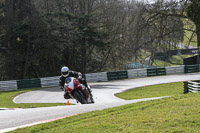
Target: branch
x: 175, y: 15
x: 188, y: 30
x: 169, y: 14
x: 168, y: 33
x: 190, y: 40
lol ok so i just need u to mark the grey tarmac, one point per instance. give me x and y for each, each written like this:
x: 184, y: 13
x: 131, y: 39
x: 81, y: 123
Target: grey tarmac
x: 104, y: 96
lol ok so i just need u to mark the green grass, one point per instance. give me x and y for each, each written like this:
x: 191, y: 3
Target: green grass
x: 169, y: 89
x: 188, y: 24
x: 175, y: 114
x: 179, y: 113
x: 174, y: 61
x: 7, y: 97
x: 160, y: 63
x: 178, y: 59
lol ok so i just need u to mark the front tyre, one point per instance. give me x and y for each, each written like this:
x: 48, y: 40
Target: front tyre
x: 80, y: 97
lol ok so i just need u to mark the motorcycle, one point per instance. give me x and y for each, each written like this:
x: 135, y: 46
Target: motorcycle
x: 78, y: 91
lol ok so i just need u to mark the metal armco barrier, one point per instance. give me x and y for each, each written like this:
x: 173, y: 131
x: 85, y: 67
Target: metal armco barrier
x: 117, y: 75
x: 156, y: 72
x: 191, y: 68
x: 185, y: 86
x: 151, y: 72
x: 135, y: 73
x: 49, y: 81
x: 98, y: 77
x: 191, y: 86
x: 175, y: 70
x: 28, y: 83
x: 8, y: 85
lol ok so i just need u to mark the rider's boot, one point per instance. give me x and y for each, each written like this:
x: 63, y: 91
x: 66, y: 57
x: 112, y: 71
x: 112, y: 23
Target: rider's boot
x: 91, y: 96
x: 66, y: 95
x: 89, y: 89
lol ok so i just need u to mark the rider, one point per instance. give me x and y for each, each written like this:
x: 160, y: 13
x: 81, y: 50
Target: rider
x: 67, y: 73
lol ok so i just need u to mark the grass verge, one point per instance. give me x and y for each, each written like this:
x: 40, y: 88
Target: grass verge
x: 170, y: 89
x: 7, y: 97
x: 179, y: 113
x: 175, y: 114
x: 174, y: 61
x: 189, y: 37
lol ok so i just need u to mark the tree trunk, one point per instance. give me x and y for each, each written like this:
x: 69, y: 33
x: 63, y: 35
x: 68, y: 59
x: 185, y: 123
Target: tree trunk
x: 9, y: 43
x: 198, y: 41
x: 83, y: 58
x: 26, y: 65
x: 9, y: 22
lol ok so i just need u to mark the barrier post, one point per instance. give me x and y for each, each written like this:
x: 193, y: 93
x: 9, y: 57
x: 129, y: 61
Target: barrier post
x: 185, y: 85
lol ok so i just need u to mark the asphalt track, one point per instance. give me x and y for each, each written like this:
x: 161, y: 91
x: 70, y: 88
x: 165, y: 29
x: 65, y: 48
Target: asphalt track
x: 103, y: 93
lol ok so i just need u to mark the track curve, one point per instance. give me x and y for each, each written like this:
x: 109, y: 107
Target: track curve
x: 103, y: 93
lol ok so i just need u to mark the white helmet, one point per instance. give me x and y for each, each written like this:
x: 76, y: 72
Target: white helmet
x: 65, y: 71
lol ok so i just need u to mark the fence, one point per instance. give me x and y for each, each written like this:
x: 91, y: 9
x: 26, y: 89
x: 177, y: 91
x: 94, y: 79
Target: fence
x: 98, y: 77
x: 191, y: 86
x: 117, y: 75
x: 49, y: 81
x: 156, y: 71
x: 136, y: 73
x: 191, y: 68
x: 29, y: 83
x: 8, y: 85
x: 175, y: 70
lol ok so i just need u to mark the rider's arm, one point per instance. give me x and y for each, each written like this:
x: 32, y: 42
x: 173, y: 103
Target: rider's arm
x: 74, y: 74
x: 61, y: 82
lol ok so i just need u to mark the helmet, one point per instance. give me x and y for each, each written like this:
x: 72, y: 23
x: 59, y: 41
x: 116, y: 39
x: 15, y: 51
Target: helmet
x: 65, y: 71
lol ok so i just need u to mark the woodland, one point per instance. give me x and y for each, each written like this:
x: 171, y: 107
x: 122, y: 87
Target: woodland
x: 38, y: 37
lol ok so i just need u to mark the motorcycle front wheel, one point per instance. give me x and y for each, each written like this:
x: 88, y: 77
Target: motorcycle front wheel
x: 80, y: 97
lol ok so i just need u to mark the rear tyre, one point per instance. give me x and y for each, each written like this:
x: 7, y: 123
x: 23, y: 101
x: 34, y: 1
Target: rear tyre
x: 80, y: 97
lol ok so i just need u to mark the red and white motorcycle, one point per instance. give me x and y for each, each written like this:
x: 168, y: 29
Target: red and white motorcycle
x: 78, y: 91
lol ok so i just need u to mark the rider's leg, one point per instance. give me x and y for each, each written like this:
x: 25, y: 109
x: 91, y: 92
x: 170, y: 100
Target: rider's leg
x: 83, y: 81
